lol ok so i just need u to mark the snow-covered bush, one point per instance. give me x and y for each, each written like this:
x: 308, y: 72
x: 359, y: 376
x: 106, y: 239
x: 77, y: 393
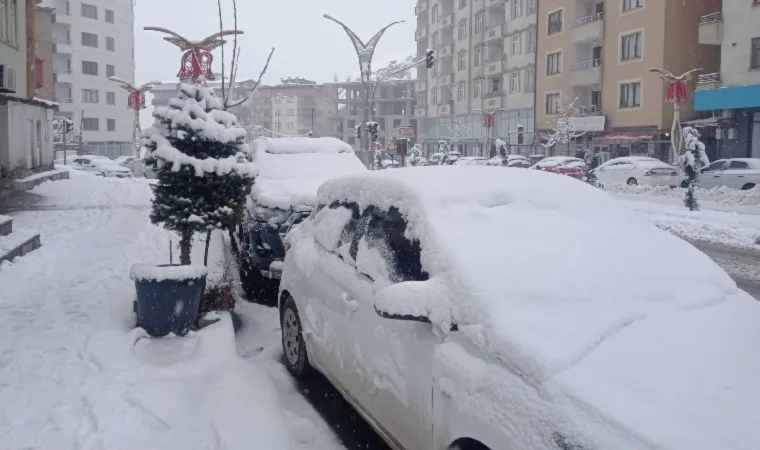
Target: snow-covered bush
x: 502, y: 150
x: 415, y: 153
x: 692, y: 161
x: 195, y: 152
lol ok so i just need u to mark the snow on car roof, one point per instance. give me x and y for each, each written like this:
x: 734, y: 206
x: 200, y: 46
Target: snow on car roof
x: 538, y: 268
x: 323, y: 144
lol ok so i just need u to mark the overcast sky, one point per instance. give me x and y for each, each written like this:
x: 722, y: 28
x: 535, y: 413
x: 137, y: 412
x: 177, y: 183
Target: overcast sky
x: 307, y: 45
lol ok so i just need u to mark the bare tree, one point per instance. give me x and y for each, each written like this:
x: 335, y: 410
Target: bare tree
x: 392, y: 71
x: 564, y: 131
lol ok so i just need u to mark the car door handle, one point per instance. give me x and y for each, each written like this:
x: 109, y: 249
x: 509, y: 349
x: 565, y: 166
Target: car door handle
x: 740, y: 176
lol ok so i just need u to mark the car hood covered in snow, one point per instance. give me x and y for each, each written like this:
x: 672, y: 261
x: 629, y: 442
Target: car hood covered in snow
x: 573, y: 291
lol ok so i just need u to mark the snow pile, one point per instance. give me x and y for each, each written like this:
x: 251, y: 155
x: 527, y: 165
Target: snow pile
x: 282, y: 145
x: 721, y: 195
x: 149, y: 272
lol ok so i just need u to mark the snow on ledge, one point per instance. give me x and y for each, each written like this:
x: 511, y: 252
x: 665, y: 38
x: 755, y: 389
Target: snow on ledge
x: 40, y: 175
x: 49, y: 103
x: 150, y: 272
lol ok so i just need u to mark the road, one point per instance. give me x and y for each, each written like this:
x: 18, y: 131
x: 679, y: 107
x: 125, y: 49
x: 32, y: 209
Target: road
x: 742, y: 264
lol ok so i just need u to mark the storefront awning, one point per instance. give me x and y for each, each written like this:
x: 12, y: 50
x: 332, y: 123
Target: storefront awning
x: 734, y: 97
x: 703, y: 123
x: 623, y: 137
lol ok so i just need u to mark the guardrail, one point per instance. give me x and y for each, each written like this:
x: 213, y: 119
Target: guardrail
x: 711, y: 18
x: 588, y: 19
x: 708, y: 78
x: 589, y: 64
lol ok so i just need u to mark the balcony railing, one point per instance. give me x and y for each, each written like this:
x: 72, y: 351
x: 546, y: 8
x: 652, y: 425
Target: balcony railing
x: 588, y: 109
x: 63, y: 99
x: 708, y: 78
x: 588, y: 19
x: 589, y: 64
x: 711, y: 18
x: 496, y: 57
x: 494, y: 94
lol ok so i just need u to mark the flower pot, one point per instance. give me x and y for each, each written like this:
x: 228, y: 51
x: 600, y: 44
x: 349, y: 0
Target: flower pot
x: 168, y: 297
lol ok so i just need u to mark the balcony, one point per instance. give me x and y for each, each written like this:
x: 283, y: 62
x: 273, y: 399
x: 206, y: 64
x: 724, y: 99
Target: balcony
x: 62, y: 76
x: 711, y: 29
x: 495, y: 2
x: 446, y: 21
x: 495, y: 65
x: 63, y: 100
x: 494, y: 31
x: 708, y: 81
x: 587, y: 73
x: 422, y: 5
x: 420, y: 85
x: 493, y: 100
x: 444, y: 108
x: 64, y: 48
x: 419, y: 111
x: 421, y: 33
x: 445, y: 50
x: 446, y: 79
x: 589, y: 28
x: 588, y: 110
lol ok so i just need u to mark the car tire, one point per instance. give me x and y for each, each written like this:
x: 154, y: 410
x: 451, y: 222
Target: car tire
x: 293, y: 346
x: 257, y: 289
x: 632, y: 182
x: 748, y: 186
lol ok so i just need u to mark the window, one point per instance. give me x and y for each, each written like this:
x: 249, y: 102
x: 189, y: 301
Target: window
x: 478, y: 54
x: 514, y: 81
x: 89, y: 39
x: 434, y: 14
x: 555, y: 22
x: 629, y: 5
x: 109, y: 16
x: 89, y: 96
x: 754, y: 62
x: 462, y: 4
x: 110, y: 44
x: 434, y: 42
x: 516, y: 8
x: 9, y: 18
x: 90, y: 11
x: 552, y: 103
x: 717, y: 166
x: 434, y: 96
x: 476, y: 88
x: 630, y: 46
x: 110, y: 124
x: 530, y: 41
x: 90, y: 124
x: 630, y: 95
x: 110, y: 70
x: 495, y: 84
x: 462, y: 29
x: 529, y: 79
x: 478, y: 22
x: 530, y: 7
x: 554, y: 63
x: 89, y: 68
x: 385, y: 237
x: 396, y: 123
x: 461, y: 91
x: 462, y: 60
x: 738, y: 165
x: 516, y: 47
x: 110, y: 98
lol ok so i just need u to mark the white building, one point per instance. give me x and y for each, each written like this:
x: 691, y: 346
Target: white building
x: 485, y: 54
x: 94, y: 39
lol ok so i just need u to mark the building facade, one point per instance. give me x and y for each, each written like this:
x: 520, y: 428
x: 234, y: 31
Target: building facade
x: 43, y: 74
x: 596, y: 56
x: 94, y: 40
x: 732, y: 95
x: 294, y: 107
x: 485, y: 65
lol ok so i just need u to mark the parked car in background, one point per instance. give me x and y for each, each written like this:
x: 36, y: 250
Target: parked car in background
x: 471, y: 161
x: 108, y: 168
x: 387, y: 291
x: 284, y: 192
x: 563, y: 165
x: 512, y: 161
x: 736, y: 173
x: 124, y: 160
x: 637, y: 170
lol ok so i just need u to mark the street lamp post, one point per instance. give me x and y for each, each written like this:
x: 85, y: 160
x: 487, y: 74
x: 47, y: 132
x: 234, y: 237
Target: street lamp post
x: 135, y: 102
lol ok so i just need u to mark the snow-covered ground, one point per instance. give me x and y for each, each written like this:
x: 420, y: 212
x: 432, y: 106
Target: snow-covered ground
x: 74, y: 373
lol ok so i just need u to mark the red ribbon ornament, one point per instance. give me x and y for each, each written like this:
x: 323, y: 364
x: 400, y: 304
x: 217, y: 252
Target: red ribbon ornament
x: 676, y: 92
x: 196, y: 63
x: 488, y: 121
x: 136, y: 100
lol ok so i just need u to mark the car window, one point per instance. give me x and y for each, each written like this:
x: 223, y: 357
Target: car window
x: 328, y: 225
x: 625, y: 166
x: 716, y: 166
x: 738, y: 165
x: 384, y: 252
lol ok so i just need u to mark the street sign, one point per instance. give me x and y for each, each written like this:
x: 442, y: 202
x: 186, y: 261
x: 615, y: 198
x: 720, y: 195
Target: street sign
x: 406, y: 131
x: 392, y: 156
x: 392, y: 146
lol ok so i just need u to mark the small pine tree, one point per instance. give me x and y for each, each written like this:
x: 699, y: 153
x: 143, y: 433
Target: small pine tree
x: 692, y: 162
x: 195, y: 151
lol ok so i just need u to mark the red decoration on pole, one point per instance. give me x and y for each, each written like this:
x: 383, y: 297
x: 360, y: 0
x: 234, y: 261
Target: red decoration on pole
x: 136, y: 100
x: 196, y: 63
x: 488, y: 121
x: 676, y: 92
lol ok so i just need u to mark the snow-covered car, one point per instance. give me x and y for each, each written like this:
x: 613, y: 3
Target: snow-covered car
x: 444, y: 338
x: 389, y: 163
x: 637, y: 170
x: 108, y: 168
x: 471, y: 161
x: 512, y: 161
x: 289, y: 172
x: 563, y: 165
x: 736, y: 173
x: 124, y: 160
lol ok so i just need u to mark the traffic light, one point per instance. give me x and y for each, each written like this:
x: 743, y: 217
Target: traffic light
x: 520, y: 136
x: 429, y: 58
x: 372, y: 129
x: 358, y: 129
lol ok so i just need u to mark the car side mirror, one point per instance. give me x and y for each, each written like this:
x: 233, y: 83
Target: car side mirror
x: 398, y: 316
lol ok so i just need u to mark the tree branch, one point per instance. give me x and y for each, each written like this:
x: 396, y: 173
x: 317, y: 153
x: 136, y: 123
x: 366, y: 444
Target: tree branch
x: 221, y: 30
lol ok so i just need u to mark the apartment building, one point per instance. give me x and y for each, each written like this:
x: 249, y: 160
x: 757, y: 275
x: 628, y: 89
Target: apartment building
x: 598, y: 55
x: 94, y: 40
x: 485, y: 51
x: 393, y: 110
x: 732, y: 95
x: 294, y: 107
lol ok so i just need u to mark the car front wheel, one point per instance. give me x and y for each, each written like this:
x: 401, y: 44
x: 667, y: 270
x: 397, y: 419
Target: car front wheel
x: 632, y: 182
x: 293, y: 346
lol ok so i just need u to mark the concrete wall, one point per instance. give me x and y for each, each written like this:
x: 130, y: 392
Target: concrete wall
x: 30, y: 145
x: 742, y: 23
x: 13, y: 50
x: 43, y: 25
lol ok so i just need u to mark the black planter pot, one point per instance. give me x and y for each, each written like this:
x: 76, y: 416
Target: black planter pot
x: 168, y: 297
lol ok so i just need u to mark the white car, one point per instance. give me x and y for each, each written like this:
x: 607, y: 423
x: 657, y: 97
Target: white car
x: 637, y: 170
x: 736, y: 173
x: 512, y: 161
x: 471, y: 161
x: 101, y: 166
x: 445, y: 338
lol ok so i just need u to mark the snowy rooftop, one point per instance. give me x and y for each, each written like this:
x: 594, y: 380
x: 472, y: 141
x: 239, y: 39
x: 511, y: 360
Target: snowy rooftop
x: 323, y: 144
